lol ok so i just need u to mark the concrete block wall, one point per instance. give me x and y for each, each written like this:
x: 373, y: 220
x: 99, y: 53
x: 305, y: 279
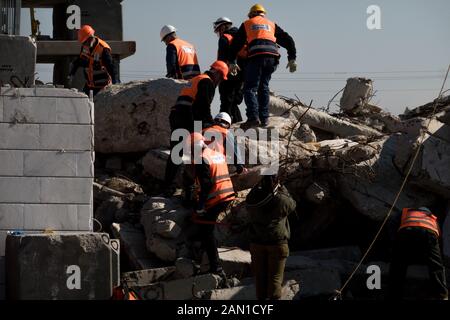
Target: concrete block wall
x: 46, y: 161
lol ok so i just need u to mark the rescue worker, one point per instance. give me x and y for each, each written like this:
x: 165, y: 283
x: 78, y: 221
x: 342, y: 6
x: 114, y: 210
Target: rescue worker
x: 95, y: 57
x: 231, y: 91
x: 269, y: 205
x: 181, y: 56
x: 418, y: 241
x: 219, y: 138
x: 262, y: 37
x: 210, y: 171
x: 193, y: 104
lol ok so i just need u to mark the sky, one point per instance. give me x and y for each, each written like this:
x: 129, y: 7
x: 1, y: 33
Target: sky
x: 407, y: 58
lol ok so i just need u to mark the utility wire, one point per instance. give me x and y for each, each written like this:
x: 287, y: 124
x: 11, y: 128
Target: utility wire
x: 422, y: 140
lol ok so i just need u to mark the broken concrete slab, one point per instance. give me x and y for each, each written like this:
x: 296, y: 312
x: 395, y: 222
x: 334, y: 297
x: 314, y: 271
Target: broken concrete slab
x: 141, y: 278
x: 59, y: 266
x: 134, y: 117
x: 356, y: 95
x: 132, y: 242
x: 23, y: 68
x: 182, y: 289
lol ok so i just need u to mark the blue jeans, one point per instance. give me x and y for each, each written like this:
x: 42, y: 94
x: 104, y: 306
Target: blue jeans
x: 258, y: 73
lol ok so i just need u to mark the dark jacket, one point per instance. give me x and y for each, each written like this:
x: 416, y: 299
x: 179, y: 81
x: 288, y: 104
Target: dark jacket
x: 172, y: 62
x: 283, y: 39
x: 268, y: 214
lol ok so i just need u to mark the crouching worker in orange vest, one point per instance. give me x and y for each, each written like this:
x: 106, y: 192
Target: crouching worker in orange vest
x: 418, y: 241
x: 210, y: 170
x: 96, y: 59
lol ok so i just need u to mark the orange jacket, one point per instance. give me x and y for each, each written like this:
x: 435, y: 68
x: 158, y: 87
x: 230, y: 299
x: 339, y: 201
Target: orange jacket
x: 96, y: 72
x: 218, y: 135
x: 421, y: 219
x: 222, y: 189
x: 243, y: 53
x: 187, y: 59
x: 189, y: 93
x: 261, y: 36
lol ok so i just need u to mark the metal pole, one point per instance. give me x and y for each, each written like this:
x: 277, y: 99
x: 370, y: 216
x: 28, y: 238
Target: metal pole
x: 18, y: 6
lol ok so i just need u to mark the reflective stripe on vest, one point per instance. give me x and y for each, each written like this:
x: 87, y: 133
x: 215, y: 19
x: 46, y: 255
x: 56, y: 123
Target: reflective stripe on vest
x: 187, y: 59
x: 416, y: 218
x: 243, y: 53
x: 215, y: 137
x: 189, y: 93
x: 96, y: 73
x: 261, y: 36
x: 222, y: 189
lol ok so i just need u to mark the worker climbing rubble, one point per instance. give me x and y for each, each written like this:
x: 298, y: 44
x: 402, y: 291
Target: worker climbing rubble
x: 262, y: 38
x: 96, y: 59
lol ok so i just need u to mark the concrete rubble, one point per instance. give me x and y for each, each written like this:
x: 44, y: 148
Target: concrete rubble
x: 343, y: 169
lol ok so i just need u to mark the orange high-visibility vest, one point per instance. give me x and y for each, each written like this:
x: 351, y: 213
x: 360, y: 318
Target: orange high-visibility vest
x: 187, y: 59
x: 261, y: 36
x: 218, y: 135
x: 243, y: 53
x: 96, y: 73
x: 189, y: 93
x: 222, y: 189
x: 417, y: 218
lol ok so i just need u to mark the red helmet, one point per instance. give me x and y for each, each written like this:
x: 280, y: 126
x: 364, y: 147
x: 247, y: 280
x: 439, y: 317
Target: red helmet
x: 222, y: 67
x: 85, y: 32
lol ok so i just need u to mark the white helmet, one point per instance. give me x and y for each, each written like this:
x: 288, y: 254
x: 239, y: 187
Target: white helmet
x: 166, y: 30
x: 221, y: 21
x: 223, y: 116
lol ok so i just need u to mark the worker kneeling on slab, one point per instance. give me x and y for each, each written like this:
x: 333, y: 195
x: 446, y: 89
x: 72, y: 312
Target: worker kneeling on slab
x: 210, y: 171
x: 418, y: 241
x: 269, y: 205
x: 96, y: 59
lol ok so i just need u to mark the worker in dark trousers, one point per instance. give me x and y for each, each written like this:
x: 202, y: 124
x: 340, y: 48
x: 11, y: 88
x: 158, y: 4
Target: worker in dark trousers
x: 263, y: 38
x: 215, y: 194
x: 417, y: 241
x: 193, y: 104
x: 96, y: 59
x: 269, y: 204
x: 231, y: 91
x: 181, y: 56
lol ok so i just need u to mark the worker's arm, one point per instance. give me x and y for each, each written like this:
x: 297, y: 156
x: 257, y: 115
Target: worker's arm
x: 288, y: 205
x: 171, y: 61
x: 239, y: 41
x: 74, y: 66
x: 203, y: 174
x: 205, y: 96
x: 224, y: 50
x: 286, y: 41
x: 109, y: 65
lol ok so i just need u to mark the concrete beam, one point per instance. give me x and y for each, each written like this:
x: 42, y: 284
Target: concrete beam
x: 50, y: 51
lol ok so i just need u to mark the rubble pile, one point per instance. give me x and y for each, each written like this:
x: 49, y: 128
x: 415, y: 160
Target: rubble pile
x: 344, y: 170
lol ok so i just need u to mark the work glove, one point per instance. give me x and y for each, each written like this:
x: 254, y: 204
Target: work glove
x: 234, y: 69
x: 292, y: 65
x: 69, y: 81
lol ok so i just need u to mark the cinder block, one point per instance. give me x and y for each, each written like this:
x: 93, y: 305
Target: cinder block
x: 1, y: 108
x: 73, y: 110
x: 11, y: 216
x: 11, y: 163
x: 50, y: 216
x: 19, y: 136
x: 67, y: 137
x: 2, y: 270
x: 85, y: 214
x: 48, y: 91
x: 85, y: 164
x: 29, y: 109
x: 66, y: 190
x: 19, y: 190
x: 3, y: 234
x: 60, y: 266
x: 56, y: 164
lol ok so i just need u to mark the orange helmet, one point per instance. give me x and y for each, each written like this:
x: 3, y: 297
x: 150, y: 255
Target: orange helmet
x: 222, y: 67
x: 85, y: 32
